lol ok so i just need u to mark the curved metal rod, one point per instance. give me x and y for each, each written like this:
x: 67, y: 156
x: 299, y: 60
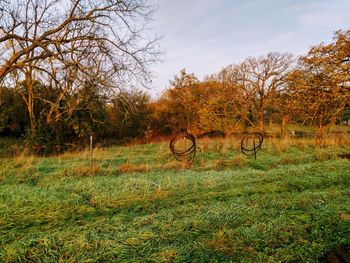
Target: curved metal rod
x: 183, y: 154
x: 257, y: 139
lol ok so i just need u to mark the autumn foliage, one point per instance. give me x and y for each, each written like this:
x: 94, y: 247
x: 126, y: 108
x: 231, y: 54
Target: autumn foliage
x: 313, y: 89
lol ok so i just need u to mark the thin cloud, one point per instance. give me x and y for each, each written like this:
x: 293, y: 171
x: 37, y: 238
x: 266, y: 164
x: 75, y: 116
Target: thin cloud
x: 332, y: 14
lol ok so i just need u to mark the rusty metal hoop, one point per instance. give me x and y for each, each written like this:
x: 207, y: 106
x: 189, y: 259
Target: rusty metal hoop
x: 256, y: 139
x: 188, y: 150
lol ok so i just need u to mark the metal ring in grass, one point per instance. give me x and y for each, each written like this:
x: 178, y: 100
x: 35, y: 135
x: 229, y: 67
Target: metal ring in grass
x: 183, y: 146
x: 251, y: 143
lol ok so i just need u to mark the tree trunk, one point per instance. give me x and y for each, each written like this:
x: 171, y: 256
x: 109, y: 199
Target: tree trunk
x: 283, y: 125
x: 261, y: 113
x: 261, y: 121
x: 30, y: 99
x: 320, y: 134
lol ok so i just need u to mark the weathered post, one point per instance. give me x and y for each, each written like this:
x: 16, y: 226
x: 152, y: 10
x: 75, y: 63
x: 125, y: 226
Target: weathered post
x: 90, y: 150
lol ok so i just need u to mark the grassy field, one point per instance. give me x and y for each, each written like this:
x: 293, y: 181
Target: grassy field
x: 136, y: 204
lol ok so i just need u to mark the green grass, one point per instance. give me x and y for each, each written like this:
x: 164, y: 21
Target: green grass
x: 274, y: 128
x: 136, y: 204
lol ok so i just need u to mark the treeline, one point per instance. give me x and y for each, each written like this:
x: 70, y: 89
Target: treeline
x: 276, y: 88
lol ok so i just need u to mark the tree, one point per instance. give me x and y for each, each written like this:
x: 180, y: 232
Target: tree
x: 261, y: 78
x: 129, y: 114
x: 81, y: 114
x: 66, y: 45
x: 13, y: 119
x: 37, y: 30
x: 179, y: 102
x: 319, y: 89
x: 223, y: 106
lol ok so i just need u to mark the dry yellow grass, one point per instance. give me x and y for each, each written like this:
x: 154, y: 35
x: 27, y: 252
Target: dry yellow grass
x: 134, y: 168
x: 171, y: 165
x: 82, y: 170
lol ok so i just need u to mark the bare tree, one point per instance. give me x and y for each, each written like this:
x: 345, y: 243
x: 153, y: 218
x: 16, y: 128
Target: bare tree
x: 260, y: 78
x: 66, y: 44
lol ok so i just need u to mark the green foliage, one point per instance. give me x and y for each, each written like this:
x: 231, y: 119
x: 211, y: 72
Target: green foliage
x: 54, y: 127
x: 40, y: 137
x: 13, y: 116
x: 129, y: 114
x: 346, y: 114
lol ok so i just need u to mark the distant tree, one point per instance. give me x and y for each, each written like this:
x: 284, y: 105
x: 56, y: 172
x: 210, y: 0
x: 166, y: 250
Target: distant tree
x: 314, y: 98
x: 79, y: 114
x: 223, y: 106
x: 179, y: 101
x: 88, y: 112
x: 319, y: 89
x: 13, y: 117
x: 129, y: 114
x: 261, y: 79
x: 183, y: 80
x: 345, y: 118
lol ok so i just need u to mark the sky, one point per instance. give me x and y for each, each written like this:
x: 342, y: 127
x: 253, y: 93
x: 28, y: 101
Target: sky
x: 203, y: 36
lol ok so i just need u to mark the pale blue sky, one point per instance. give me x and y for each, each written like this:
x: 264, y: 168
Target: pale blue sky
x: 205, y: 35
